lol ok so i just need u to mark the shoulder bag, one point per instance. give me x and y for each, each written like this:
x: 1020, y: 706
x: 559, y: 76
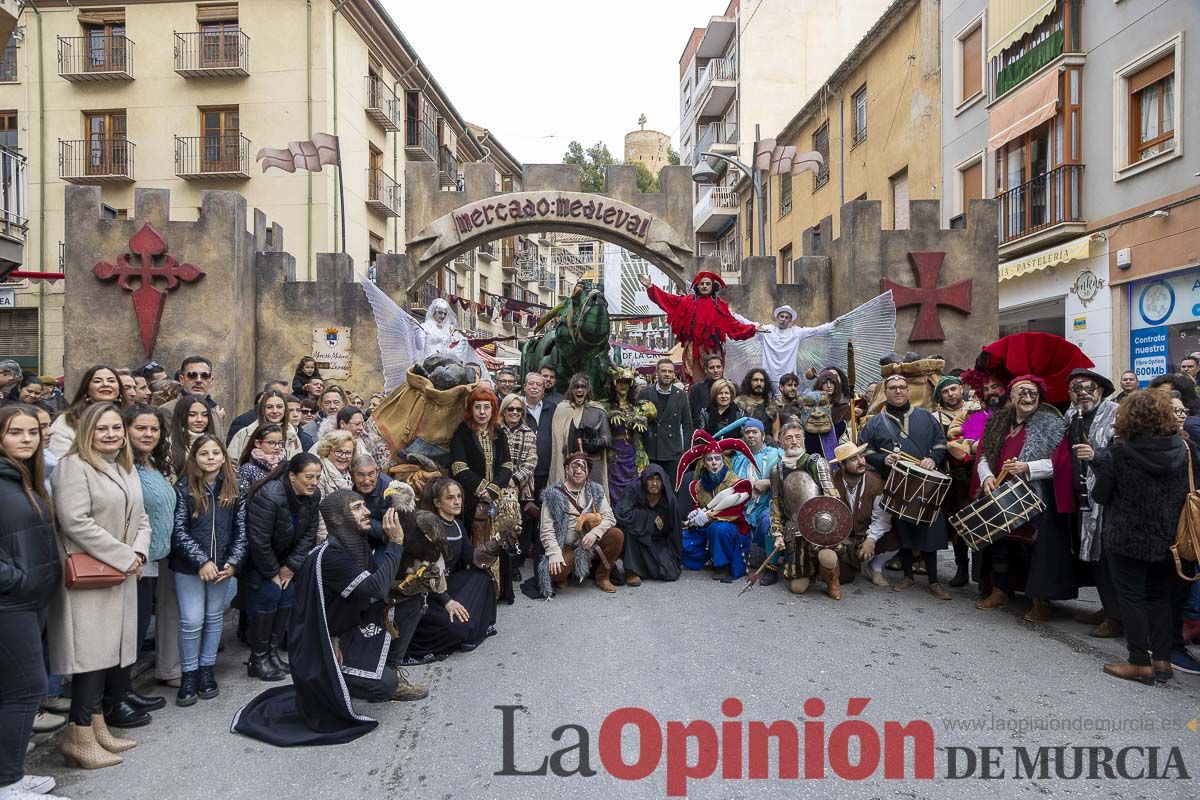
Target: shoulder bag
x: 83, y: 571
x: 1187, y: 534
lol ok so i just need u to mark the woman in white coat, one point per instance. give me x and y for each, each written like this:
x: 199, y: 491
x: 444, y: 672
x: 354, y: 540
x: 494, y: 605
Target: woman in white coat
x: 93, y: 632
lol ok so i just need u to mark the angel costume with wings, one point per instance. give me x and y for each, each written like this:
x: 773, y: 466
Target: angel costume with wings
x: 785, y: 348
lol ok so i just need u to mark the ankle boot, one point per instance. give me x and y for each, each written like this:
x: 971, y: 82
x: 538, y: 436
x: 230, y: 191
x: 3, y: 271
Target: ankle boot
x: 833, y: 586
x: 1131, y: 672
x: 187, y: 694
x: 961, y: 576
x: 206, y: 683
x: 260, y: 665
x: 80, y: 749
x: 278, y: 629
x: 106, y: 738
x: 1163, y: 671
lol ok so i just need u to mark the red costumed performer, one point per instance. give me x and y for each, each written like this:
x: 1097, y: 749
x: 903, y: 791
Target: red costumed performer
x: 701, y: 321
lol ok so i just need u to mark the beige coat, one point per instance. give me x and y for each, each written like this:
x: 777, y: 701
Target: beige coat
x: 93, y: 629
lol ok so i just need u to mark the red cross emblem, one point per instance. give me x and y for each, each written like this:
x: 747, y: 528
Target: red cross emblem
x: 150, y: 249
x: 928, y: 295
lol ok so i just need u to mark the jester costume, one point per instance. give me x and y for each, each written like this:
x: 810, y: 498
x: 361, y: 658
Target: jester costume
x: 701, y: 323
x: 716, y: 530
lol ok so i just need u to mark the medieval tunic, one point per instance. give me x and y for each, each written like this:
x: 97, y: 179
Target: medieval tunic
x: 653, y: 537
x: 701, y: 325
x: 1045, y: 543
x: 780, y: 346
x: 436, y: 636
x: 561, y: 510
x: 869, y: 520
x: 917, y: 432
x: 569, y: 419
x: 333, y: 596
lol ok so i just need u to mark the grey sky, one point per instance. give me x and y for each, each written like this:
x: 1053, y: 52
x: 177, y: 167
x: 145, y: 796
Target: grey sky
x: 540, y: 73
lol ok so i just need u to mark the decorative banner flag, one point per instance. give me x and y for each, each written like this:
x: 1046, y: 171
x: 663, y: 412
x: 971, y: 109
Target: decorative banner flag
x: 780, y: 159
x: 311, y: 156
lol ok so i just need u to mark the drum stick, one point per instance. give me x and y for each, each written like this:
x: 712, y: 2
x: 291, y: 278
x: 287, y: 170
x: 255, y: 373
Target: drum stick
x: 907, y: 457
x: 1001, y: 477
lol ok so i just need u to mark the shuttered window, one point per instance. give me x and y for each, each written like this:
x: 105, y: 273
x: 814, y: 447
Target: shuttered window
x: 226, y: 12
x: 900, y: 201
x: 19, y: 336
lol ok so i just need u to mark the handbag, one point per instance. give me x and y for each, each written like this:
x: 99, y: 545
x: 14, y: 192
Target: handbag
x: 1187, y: 534
x: 83, y: 571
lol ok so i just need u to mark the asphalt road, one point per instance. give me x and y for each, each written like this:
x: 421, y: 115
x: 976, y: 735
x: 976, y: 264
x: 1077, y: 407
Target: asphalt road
x: 677, y: 651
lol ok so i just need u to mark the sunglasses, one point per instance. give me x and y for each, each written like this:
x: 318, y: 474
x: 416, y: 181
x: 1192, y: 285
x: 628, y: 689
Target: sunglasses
x: 514, y: 410
x: 1027, y: 392
x: 191, y: 376
x: 1081, y: 387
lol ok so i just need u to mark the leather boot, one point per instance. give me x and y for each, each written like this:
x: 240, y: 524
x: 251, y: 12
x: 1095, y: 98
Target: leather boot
x: 799, y: 585
x: 1163, y: 671
x: 407, y: 690
x: 123, y: 714
x: 278, y: 630
x: 833, y: 586
x: 80, y: 749
x: 1090, y: 618
x: 1131, y: 672
x: 1040, y: 612
x: 260, y: 666
x: 188, y: 687
x: 997, y: 599
x: 1108, y: 629
x: 961, y: 576
x: 632, y: 579
x: 106, y: 738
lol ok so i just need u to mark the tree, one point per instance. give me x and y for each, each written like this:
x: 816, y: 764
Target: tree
x: 647, y: 181
x: 591, y: 163
x: 672, y: 155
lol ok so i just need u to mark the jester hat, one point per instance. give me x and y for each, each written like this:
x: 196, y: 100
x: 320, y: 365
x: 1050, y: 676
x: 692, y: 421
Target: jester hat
x: 704, y: 444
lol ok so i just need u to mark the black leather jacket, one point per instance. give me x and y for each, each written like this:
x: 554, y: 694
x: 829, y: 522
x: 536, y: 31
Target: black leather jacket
x: 30, y: 571
x: 281, y: 528
x: 218, y: 535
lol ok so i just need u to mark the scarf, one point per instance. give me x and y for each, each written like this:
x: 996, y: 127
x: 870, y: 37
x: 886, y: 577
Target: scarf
x: 268, y: 460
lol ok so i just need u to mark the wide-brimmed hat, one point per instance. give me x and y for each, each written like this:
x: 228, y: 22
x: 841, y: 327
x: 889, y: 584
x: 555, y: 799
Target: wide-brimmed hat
x: 847, y: 450
x: 1106, y: 386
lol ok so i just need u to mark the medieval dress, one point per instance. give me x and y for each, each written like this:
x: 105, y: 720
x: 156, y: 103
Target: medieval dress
x: 481, y: 458
x: 653, y: 537
x: 588, y: 422
x: 918, y: 433
x: 628, y: 423
x: 436, y: 636
x: 334, y: 595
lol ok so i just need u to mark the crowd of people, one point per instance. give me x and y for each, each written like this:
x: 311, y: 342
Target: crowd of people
x: 138, y: 500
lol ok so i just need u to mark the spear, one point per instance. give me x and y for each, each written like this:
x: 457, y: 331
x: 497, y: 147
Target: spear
x: 851, y: 377
x: 753, y: 579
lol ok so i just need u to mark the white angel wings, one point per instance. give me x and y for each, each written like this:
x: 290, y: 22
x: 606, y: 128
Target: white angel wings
x: 401, y: 338
x: 871, y: 326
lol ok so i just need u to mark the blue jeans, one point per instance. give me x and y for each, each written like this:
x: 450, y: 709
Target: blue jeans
x: 201, y: 614
x: 269, y: 598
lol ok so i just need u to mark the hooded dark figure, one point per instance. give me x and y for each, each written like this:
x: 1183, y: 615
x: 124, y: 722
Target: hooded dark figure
x: 653, y: 535
x: 339, y: 597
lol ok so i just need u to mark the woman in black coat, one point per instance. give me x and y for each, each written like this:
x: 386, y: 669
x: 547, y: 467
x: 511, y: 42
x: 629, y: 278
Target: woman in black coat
x: 479, y: 457
x: 281, y: 529
x: 29, y: 574
x: 1142, y: 482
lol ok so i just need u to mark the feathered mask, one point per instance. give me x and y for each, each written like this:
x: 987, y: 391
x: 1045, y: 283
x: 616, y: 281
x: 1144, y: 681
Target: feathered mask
x: 704, y: 444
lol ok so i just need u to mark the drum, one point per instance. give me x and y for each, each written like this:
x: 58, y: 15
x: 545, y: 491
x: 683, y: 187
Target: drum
x: 915, y: 494
x: 990, y: 517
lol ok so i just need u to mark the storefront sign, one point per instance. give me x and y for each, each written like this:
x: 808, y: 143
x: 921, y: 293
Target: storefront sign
x: 1071, y: 251
x: 331, y: 349
x: 1086, y: 286
x: 1080, y: 324
x: 1164, y: 322
x: 534, y: 207
x: 8, y: 298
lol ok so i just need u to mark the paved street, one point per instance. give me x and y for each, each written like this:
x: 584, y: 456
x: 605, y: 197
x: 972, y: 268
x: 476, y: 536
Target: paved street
x: 678, y: 651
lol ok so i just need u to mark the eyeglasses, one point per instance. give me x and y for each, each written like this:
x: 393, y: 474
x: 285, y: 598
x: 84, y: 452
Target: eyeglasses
x: 1180, y: 412
x: 191, y: 376
x: 271, y: 445
x: 343, y: 453
x: 1027, y: 392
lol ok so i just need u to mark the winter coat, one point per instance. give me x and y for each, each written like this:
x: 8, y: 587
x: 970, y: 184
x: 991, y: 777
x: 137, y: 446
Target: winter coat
x: 29, y: 568
x: 101, y: 513
x: 671, y: 430
x: 217, y: 535
x: 1142, y: 485
x: 281, y: 528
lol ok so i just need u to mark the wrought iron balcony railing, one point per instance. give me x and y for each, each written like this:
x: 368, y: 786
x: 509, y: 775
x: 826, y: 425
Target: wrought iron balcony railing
x: 212, y: 156
x: 420, y: 140
x: 382, y: 104
x: 95, y: 160
x: 383, y: 193
x: 14, y: 221
x: 213, y: 54
x: 95, y: 57
x: 1047, y: 200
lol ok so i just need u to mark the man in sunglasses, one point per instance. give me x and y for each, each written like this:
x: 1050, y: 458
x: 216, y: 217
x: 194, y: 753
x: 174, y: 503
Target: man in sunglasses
x: 196, y: 375
x: 1090, y: 421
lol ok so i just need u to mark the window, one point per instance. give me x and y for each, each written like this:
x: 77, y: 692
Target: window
x: 899, y: 183
x: 750, y: 226
x: 104, y: 33
x: 820, y: 143
x: 484, y: 298
x: 374, y: 247
x: 8, y: 62
x: 785, y: 265
x: 8, y: 130
x: 449, y: 281
x: 220, y: 134
x: 858, y: 102
x: 107, y: 149
x: 586, y: 253
x: 785, y: 193
x: 970, y: 62
x: 970, y: 185
x: 1152, y: 109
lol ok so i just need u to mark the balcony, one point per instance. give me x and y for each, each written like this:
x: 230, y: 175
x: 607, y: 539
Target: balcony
x: 447, y: 168
x: 382, y: 104
x: 13, y: 209
x: 420, y: 140
x: 1042, y: 210
x: 488, y: 251
x: 95, y: 161
x: 714, y: 209
x: 383, y: 193
x: 212, y: 157
x: 723, y: 253
x: 95, y: 58
x: 715, y: 87
x: 716, y: 37
x: 428, y: 293
x: 212, y: 54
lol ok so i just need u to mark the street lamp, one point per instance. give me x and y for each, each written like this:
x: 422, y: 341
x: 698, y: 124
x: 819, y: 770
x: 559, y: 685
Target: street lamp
x: 703, y: 173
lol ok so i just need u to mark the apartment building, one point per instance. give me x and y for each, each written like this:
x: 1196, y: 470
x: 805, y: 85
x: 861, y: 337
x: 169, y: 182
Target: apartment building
x: 181, y: 95
x: 752, y: 66
x: 1074, y: 116
x: 876, y: 123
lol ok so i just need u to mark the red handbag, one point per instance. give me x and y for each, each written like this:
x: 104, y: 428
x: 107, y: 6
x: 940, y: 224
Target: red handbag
x: 82, y: 571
